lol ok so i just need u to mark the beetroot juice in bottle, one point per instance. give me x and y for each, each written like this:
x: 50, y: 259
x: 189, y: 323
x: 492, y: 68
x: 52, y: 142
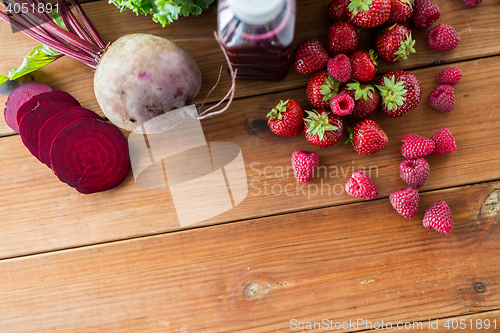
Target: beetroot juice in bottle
x: 257, y: 36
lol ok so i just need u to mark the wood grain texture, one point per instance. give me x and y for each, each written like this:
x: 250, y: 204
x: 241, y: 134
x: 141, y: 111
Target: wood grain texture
x: 195, y: 34
x: 354, y: 261
x: 41, y: 214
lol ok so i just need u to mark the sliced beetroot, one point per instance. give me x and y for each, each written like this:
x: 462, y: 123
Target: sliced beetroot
x: 90, y: 155
x: 57, y: 123
x: 32, y: 122
x: 35, y: 101
x: 18, y: 97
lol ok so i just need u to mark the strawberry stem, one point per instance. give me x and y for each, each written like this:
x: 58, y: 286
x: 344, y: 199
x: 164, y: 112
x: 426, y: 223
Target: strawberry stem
x: 318, y: 124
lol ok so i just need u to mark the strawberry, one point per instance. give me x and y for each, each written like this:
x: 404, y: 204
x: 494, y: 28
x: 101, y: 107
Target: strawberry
x: 286, y: 119
x: 337, y: 10
x: 405, y: 202
x: 424, y: 14
x: 471, y: 3
x: 445, y: 142
x: 443, y: 38
x: 339, y: 67
x: 361, y: 186
x: 400, y: 92
x: 368, y: 13
x: 449, y: 75
x: 442, y: 98
x: 310, y: 56
x: 304, y: 165
x: 401, y: 11
x: 366, y: 100
x: 438, y: 217
x: 342, y: 104
x: 363, y: 65
x: 414, y: 172
x: 415, y: 146
x: 343, y: 37
x: 323, y: 128
x: 394, y: 43
x: 321, y: 88
x: 368, y: 137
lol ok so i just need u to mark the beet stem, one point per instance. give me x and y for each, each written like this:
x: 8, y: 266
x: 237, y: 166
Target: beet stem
x: 88, y: 24
x: 71, y: 22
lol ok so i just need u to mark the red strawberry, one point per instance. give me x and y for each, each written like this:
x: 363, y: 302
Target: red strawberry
x: 415, y: 146
x: 337, y: 10
x: 394, y: 43
x: 366, y: 100
x: 405, y: 202
x: 449, y: 75
x: 304, y: 165
x: 368, y: 137
x: 286, y: 118
x: 310, y: 56
x: 363, y: 65
x: 321, y: 88
x: 471, y: 3
x: 414, y: 172
x: 424, y: 14
x: 361, y: 186
x: 442, y: 98
x: 438, y: 217
x: 401, y: 11
x: 443, y: 38
x: 400, y: 92
x: 339, y: 67
x: 369, y: 13
x: 342, y: 104
x: 445, y: 142
x: 323, y: 128
x: 343, y: 37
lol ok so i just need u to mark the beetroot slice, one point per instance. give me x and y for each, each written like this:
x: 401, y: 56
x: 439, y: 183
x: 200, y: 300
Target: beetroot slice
x: 30, y: 124
x: 35, y: 101
x: 18, y: 97
x: 90, y: 155
x: 57, y: 123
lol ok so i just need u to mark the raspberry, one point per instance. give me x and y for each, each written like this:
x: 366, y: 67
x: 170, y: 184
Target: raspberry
x: 361, y: 186
x: 449, y: 75
x: 438, y: 217
x: 424, y: 14
x: 471, y: 3
x: 339, y: 67
x: 415, y: 146
x: 304, y: 165
x: 445, y: 142
x: 405, y: 202
x: 414, y: 172
x: 342, y: 104
x: 443, y: 38
x: 442, y: 98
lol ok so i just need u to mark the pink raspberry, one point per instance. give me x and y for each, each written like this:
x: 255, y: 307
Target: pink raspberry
x: 339, y: 67
x: 438, y: 217
x: 405, y: 202
x: 415, y: 146
x: 342, y: 104
x: 361, y: 186
x: 442, y: 98
x: 449, y: 75
x: 304, y: 165
x: 445, y: 142
x: 443, y: 38
x: 424, y: 14
x: 414, y: 172
x: 471, y: 3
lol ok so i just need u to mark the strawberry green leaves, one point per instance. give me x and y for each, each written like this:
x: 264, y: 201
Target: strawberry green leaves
x: 318, y: 124
x: 392, y: 93
x: 357, y: 6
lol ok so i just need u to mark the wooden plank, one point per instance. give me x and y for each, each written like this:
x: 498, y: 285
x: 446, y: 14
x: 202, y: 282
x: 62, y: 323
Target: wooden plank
x: 478, y: 322
x: 41, y: 214
x: 361, y: 260
x: 477, y: 26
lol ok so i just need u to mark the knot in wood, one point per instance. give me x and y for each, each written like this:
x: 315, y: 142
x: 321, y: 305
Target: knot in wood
x: 479, y: 287
x: 252, y: 290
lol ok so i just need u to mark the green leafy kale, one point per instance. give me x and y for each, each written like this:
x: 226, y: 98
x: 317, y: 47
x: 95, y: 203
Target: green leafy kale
x: 164, y: 11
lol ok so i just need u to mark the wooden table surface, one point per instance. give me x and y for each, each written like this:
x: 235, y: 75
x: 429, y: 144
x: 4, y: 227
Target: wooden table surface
x: 120, y: 261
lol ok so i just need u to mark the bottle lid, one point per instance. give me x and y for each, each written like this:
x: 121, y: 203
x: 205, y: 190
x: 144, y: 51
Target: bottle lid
x: 256, y: 12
